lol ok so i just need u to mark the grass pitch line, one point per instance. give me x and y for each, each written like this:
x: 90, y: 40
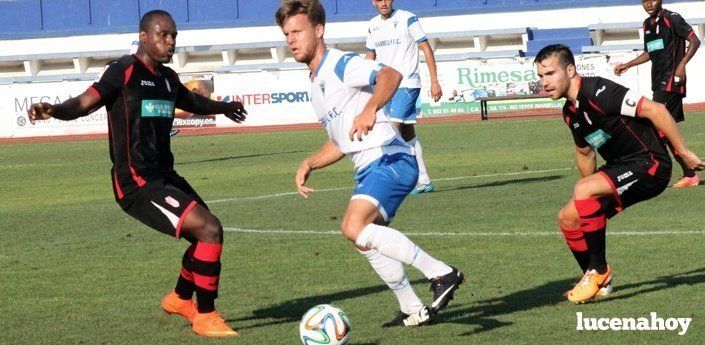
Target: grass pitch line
x: 267, y: 196
x: 466, y: 234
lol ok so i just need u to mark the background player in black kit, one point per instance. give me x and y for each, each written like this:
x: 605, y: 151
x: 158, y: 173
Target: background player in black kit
x: 623, y: 127
x: 140, y: 95
x: 665, y: 34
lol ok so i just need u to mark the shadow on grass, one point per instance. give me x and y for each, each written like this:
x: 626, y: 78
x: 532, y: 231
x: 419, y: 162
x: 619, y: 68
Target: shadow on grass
x: 501, y: 183
x: 483, y: 313
x: 238, y: 157
x: 291, y: 311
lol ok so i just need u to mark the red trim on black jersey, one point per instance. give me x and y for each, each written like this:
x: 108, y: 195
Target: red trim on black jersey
x: 692, y: 33
x: 120, y: 194
x: 117, y: 185
x: 128, y: 74
x: 94, y: 91
x: 135, y: 176
x: 638, y: 106
x: 145, y: 64
x: 183, y: 217
x: 652, y: 170
x: 596, y: 107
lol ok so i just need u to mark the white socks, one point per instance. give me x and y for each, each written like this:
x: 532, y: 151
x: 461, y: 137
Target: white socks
x: 423, y: 174
x: 395, y: 245
x: 392, y: 272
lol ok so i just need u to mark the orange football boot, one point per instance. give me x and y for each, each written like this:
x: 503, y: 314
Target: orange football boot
x: 589, y: 286
x: 212, y: 325
x: 173, y: 304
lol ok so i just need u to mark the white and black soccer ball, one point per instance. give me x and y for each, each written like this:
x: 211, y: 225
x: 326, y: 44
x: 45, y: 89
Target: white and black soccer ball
x: 324, y: 324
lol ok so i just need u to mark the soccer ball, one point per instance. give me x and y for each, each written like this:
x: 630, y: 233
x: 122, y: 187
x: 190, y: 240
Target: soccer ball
x: 324, y: 324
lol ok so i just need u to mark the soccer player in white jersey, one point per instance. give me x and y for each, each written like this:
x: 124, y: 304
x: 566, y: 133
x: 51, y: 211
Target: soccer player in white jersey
x: 394, y: 38
x: 386, y: 171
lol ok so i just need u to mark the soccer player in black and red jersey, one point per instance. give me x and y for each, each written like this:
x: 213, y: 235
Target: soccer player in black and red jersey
x: 623, y: 127
x: 665, y: 35
x: 140, y: 95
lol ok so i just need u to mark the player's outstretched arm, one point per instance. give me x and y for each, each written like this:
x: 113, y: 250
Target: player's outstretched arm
x: 387, y: 83
x: 662, y: 120
x: 325, y: 156
x: 71, y: 109
x: 197, y: 104
x: 436, y: 91
x: 623, y: 67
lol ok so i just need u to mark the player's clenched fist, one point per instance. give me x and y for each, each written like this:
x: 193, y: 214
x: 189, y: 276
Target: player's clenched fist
x: 40, y: 111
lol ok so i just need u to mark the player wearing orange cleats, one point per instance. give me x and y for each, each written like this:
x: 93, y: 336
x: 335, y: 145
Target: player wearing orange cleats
x: 173, y: 304
x: 212, y: 325
x: 140, y: 95
x: 591, y: 285
x: 623, y: 127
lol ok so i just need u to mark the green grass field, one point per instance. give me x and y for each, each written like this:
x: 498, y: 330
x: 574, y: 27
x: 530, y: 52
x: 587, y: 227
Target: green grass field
x: 75, y: 269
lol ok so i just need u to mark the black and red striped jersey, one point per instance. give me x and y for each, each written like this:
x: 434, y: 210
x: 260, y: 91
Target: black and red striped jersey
x: 664, y: 40
x: 605, y: 117
x: 140, y: 103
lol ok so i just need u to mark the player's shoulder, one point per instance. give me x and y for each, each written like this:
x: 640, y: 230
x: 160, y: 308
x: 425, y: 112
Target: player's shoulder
x: 374, y: 20
x: 122, y: 63
x: 593, y: 86
x: 169, y: 71
x: 669, y: 14
x: 404, y: 14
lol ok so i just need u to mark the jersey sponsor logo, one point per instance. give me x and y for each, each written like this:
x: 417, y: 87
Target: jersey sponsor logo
x: 157, y: 108
x: 147, y: 83
x: 655, y: 45
x: 597, y: 138
x: 171, y: 201
x: 600, y: 90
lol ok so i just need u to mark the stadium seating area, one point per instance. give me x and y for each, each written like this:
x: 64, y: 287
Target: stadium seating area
x: 76, y: 17
x: 92, y: 17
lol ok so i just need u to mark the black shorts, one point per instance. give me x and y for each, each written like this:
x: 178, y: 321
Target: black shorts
x: 162, y: 204
x: 631, y: 183
x: 673, y: 102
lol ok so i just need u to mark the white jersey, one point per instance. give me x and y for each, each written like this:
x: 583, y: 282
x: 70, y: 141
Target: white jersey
x: 341, y: 87
x: 395, y: 41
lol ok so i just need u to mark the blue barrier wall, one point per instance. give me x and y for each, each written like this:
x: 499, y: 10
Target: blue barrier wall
x: 51, y: 18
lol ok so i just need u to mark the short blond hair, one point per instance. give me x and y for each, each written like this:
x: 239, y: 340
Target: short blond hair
x: 311, y: 8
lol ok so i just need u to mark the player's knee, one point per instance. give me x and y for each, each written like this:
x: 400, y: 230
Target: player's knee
x: 212, y: 231
x: 566, y: 219
x: 351, y: 228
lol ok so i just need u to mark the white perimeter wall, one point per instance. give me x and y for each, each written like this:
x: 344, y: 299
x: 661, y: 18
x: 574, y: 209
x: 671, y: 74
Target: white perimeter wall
x: 282, y: 97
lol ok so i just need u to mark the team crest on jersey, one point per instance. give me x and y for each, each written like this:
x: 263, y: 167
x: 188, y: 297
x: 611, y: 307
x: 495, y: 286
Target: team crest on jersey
x: 396, y: 22
x: 322, y: 85
x: 171, y: 201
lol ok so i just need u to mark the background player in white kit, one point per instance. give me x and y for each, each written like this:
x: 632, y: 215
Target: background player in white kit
x: 386, y: 171
x: 394, y: 38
